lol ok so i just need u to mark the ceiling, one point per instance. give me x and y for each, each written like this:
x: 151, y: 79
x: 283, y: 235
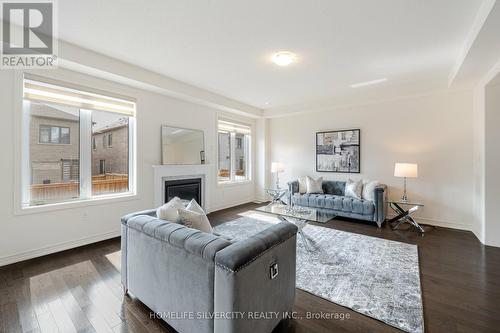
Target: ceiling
x: 225, y: 46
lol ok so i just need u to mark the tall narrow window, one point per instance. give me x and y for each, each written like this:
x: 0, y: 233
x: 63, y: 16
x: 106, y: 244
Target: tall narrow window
x: 62, y: 161
x: 233, y: 151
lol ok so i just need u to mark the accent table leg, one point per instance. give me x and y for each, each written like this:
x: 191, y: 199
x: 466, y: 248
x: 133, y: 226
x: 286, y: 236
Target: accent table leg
x: 300, y: 223
x: 404, y: 216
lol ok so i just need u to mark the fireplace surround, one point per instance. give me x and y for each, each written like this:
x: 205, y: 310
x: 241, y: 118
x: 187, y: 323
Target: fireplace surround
x: 185, y: 189
x: 165, y: 173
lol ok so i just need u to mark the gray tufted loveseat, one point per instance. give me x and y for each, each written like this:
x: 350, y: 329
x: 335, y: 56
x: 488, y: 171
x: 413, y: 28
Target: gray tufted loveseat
x: 334, y: 199
x: 200, y: 282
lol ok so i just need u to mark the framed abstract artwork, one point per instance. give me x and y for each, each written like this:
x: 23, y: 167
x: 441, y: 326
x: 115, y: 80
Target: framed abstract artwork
x: 338, y: 151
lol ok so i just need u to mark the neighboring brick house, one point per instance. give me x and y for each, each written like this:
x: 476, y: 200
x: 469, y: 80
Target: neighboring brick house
x: 110, y: 149
x: 54, y: 144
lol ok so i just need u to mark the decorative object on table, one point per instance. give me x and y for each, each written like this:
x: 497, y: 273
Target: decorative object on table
x: 405, y: 170
x: 314, y: 186
x: 403, y: 215
x: 277, y: 167
x: 384, y: 285
x: 338, y: 151
x: 354, y: 188
x: 276, y: 194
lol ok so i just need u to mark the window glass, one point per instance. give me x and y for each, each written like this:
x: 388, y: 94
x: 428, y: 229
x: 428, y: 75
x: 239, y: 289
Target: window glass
x: 54, y: 134
x: 44, y: 134
x: 65, y: 135
x: 110, y: 166
x: 233, y: 152
x: 60, y: 140
x: 224, y: 161
x: 54, y: 168
x: 240, y: 158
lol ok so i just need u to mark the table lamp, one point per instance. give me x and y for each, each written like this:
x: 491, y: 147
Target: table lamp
x: 277, y: 167
x: 405, y: 170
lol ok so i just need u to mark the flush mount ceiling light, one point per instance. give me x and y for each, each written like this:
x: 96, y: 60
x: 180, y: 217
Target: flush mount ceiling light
x: 368, y: 83
x: 283, y: 58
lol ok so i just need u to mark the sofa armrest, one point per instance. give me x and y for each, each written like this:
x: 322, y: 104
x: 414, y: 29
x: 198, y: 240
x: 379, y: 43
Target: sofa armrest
x: 380, y: 204
x: 148, y: 212
x: 256, y: 275
x: 293, y: 187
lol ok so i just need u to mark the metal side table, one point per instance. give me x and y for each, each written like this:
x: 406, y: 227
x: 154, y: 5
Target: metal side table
x: 403, y: 210
x: 277, y: 194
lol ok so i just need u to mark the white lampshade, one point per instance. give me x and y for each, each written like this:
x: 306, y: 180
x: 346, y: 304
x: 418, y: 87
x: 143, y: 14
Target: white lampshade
x: 408, y: 170
x: 277, y: 167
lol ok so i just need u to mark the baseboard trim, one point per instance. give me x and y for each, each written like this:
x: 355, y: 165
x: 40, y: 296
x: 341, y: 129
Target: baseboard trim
x: 11, y: 259
x: 439, y: 223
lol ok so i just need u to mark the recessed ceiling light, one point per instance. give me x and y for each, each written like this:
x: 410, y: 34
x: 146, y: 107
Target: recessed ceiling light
x: 368, y: 83
x: 283, y: 58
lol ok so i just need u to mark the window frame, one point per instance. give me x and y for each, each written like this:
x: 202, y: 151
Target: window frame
x: 22, y: 171
x: 246, y: 144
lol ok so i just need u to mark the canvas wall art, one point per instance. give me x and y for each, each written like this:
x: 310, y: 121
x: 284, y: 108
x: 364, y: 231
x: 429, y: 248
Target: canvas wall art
x: 338, y: 151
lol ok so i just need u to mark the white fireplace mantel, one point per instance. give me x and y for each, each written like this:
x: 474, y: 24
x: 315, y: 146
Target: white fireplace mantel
x: 169, y: 172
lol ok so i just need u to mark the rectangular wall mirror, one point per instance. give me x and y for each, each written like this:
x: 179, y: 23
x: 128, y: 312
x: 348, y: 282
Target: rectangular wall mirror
x: 182, y: 146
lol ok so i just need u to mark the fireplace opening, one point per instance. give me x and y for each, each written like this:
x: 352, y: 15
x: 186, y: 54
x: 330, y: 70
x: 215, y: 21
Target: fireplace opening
x: 185, y: 189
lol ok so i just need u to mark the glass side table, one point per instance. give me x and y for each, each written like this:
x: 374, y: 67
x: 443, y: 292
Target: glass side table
x: 403, y: 210
x: 276, y: 194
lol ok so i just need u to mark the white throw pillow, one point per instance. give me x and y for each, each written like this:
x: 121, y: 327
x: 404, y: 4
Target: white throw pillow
x: 194, y: 220
x: 314, y: 186
x: 302, y: 185
x: 198, y: 220
x: 168, y: 211
x: 353, y: 188
x: 369, y: 189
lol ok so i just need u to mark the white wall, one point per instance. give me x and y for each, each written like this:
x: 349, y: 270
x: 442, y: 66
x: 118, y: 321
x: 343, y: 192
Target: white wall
x: 435, y: 131
x: 492, y: 165
x: 484, y: 129
x: 25, y: 236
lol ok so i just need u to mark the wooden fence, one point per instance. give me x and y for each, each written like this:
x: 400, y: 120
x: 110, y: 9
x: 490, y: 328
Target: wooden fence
x: 101, y: 184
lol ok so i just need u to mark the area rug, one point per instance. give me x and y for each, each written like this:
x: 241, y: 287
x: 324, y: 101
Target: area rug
x: 373, y: 276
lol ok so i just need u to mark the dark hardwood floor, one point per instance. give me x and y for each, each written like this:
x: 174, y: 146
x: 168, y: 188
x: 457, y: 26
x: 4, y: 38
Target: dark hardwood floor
x: 79, y: 290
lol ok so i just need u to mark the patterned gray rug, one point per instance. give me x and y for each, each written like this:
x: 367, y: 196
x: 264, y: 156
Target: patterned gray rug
x: 373, y: 276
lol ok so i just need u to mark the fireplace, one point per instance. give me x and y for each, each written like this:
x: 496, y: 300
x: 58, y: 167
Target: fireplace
x: 185, y: 189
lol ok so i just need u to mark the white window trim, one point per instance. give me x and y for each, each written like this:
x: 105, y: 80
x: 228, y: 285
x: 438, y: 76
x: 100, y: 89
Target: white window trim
x: 248, y: 154
x: 22, y: 170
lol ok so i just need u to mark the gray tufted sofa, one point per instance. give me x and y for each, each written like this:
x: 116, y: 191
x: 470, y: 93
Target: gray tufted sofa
x: 333, y: 199
x: 199, y: 282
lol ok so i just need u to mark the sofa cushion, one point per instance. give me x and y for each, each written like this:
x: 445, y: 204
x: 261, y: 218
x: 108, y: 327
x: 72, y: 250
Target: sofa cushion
x: 333, y: 187
x: 335, y: 202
